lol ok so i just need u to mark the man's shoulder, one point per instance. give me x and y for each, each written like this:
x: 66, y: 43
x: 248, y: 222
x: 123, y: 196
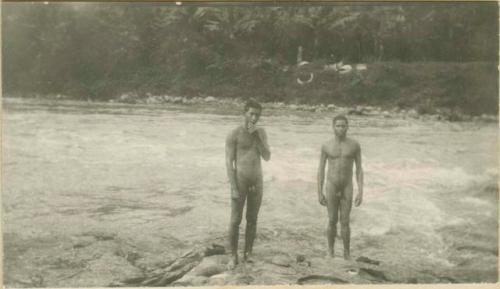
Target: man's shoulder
x: 353, y: 142
x: 234, y: 132
x: 327, y: 144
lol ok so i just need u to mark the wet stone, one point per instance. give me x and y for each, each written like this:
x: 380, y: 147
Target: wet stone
x: 191, y: 280
x: 100, y: 235
x: 108, y: 269
x: 214, y: 249
x: 281, y: 260
x: 218, y: 280
x: 373, y: 274
x: 367, y: 260
x: 210, y: 266
x: 82, y: 241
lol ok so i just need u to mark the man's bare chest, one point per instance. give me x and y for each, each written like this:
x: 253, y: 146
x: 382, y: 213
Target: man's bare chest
x: 340, y: 151
x: 245, y: 141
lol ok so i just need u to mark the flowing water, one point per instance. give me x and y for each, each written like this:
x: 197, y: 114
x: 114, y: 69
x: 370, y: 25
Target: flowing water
x: 156, y: 176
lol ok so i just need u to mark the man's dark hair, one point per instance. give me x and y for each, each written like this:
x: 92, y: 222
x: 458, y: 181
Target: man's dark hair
x: 340, y: 117
x: 252, y: 103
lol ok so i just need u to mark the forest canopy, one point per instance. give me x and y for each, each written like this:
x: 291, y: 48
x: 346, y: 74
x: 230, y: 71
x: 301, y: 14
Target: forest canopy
x: 98, y: 50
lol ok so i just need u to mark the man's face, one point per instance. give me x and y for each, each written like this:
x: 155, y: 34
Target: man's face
x: 340, y: 127
x: 252, y: 115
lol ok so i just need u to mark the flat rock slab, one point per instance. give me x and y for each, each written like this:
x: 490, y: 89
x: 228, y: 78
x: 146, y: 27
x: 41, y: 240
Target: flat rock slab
x: 367, y: 260
x: 105, y: 270
x: 210, y: 266
x: 282, y: 260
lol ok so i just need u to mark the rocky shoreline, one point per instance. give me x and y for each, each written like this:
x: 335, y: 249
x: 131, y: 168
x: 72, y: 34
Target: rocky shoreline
x: 440, y: 114
x: 103, y: 259
x: 203, y: 266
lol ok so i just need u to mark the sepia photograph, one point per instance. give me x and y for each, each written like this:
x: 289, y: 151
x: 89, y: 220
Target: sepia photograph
x: 194, y: 144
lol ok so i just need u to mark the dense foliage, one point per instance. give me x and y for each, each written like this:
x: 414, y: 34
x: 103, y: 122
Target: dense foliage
x: 99, y: 50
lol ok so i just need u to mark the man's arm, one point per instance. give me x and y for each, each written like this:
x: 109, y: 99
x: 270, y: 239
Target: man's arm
x: 230, y: 159
x: 359, y: 176
x: 321, y: 177
x: 262, y: 144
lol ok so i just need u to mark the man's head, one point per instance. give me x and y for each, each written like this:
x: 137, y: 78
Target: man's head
x: 252, y: 111
x: 340, y: 125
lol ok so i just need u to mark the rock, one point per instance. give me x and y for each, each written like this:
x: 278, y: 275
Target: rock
x: 132, y: 257
x: 214, y: 249
x: 127, y: 98
x: 281, y: 260
x: 100, y: 235
x: 361, y: 66
x: 218, y: 280
x: 485, y: 117
x: 240, y: 279
x: 300, y: 258
x: 199, y: 280
x: 367, y: 260
x: 82, y: 241
x: 210, y: 266
x: 331, y: 106
x: 293, y: 106
x: 152, y: 100
x: 105, y: 270
x: 173, y: 275
x: 372, y: 274
x: 413, y: 113
x: 210, y: 99
x: 320, y: 279
x: 434, y: 117
x: 191, y: 280
x: 355, y: 111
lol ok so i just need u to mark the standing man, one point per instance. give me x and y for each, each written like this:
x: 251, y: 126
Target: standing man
x: 245, y: 145
x: 341, y: 153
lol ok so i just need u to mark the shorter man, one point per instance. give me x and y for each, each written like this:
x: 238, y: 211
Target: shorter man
x: 341, y: 153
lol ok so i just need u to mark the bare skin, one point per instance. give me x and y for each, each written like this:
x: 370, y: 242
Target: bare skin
x: 245, y: 146
x: 341, y: 153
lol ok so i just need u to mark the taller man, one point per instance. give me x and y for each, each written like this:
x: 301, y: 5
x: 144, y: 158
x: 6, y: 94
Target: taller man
x: 341, y: 153
x: 245, y: 145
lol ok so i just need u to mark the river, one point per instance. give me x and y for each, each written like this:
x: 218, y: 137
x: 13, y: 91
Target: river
x: 155, y: 176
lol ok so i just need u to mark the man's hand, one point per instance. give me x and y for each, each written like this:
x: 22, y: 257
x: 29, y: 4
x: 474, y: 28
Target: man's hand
x: 358, y: 200
x: 322, y: 199
x: 235, y: 194
x: 251, y: 127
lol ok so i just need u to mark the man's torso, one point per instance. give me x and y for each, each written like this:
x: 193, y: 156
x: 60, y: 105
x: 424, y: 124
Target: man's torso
x: 340, y: 156
x: 248, y: 163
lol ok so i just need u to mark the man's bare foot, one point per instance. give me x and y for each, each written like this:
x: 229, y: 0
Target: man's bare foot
x: 331, y: 254
x: 247, y: 258
x: 347, y: 256
x: 232, y: 263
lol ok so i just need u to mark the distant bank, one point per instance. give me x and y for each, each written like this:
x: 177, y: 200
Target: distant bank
x: 441, y: 90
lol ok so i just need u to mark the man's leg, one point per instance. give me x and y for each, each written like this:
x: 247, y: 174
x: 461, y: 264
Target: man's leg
x: 332, y: 204
x: 237, y: 205
x: 345, y: 212
x: 253, y: 205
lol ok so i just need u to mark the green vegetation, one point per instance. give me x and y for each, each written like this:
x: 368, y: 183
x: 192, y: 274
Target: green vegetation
x: 423, y: 56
